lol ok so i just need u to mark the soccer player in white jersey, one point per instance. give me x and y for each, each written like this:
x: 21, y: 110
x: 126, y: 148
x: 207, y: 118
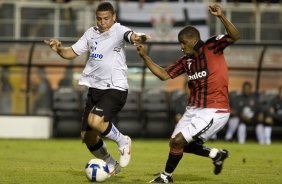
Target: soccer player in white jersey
x: 105, y: 74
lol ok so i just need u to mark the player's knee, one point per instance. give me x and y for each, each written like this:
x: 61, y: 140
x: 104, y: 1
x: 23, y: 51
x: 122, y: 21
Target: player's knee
x: 177, y: 142
x: 94, y: 121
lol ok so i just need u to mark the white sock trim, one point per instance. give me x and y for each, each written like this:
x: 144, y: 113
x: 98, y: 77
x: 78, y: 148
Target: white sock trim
x: 168, y: 174
x: 213, y: 152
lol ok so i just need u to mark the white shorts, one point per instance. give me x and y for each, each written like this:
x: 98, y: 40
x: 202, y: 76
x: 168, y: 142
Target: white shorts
x: 201, y: 123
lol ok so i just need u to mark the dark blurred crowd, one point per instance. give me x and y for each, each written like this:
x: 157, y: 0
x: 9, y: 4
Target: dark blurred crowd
x: 251, y: 110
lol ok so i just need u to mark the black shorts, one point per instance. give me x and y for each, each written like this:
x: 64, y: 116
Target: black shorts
x: 105, y: 103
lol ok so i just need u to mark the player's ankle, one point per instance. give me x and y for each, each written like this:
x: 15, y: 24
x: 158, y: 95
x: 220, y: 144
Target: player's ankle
x: 167, y: 174
x: 213, y: 153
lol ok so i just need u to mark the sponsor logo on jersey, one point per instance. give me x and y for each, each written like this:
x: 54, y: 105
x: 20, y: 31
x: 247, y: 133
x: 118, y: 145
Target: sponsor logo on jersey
x: 198, y: 75
x: 94, y: 55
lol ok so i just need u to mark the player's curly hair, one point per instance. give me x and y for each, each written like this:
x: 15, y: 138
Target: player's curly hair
x: 105, y: 6
x: 189, y: 32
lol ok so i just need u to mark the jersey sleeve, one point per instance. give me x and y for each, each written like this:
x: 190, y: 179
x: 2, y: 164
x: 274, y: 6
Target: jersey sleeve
x: 122, y: 30
x: 176, y: 68
x: 219, y: 43
x: 81, y: 45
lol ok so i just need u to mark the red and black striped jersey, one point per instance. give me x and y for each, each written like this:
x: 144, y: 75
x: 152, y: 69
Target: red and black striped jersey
x: 207, y: 72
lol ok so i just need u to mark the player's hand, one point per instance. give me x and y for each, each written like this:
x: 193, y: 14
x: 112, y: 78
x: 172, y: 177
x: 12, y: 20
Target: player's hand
x: 141, y: 50
x: 139, y: 38
x: 215, y: 10
x: 53, y: 43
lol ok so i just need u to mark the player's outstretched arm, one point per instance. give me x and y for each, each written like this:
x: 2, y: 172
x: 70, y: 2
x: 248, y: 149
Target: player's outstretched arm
x: 64, y: 52
x: 155, y: 69
x: 230, y: 28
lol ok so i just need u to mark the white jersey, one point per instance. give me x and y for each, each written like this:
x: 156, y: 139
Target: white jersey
x: 106, y: 67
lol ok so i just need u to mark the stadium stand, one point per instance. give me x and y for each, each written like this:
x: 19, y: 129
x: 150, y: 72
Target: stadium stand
x: 156, y: 114
x: 130, y: 119
x: 66, y: 113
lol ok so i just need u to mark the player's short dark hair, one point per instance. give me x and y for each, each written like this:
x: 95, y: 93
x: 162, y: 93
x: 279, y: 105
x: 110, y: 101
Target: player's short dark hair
x: 189, y: 32
x: 105, y: 6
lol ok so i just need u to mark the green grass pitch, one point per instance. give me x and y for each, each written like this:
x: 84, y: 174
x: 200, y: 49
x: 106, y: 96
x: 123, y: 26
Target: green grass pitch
x: 62, y: 161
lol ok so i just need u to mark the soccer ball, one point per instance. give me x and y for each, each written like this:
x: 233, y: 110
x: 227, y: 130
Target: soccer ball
x: 97, y: 170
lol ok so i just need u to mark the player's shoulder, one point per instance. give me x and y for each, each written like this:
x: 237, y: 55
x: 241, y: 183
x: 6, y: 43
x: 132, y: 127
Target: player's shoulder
x: 183, y: 59
x: 91, y: 31
x: 119, y: 27
x: 216, y: 38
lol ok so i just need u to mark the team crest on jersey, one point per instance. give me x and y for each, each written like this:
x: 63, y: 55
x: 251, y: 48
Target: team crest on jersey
x: 93, y: 52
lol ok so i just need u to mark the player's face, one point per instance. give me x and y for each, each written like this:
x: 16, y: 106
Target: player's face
x: 187, y: 46
x: 105, y: 20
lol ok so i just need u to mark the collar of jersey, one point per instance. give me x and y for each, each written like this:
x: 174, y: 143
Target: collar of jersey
x: 198, y: 45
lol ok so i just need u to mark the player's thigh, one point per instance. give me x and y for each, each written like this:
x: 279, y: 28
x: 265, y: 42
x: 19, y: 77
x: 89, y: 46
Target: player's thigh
x: 200, y: 123
x: 110, y: 104
x: 105, y: 103
x: 218, y: 121
x: 89, y: 104
x: 185, y: 126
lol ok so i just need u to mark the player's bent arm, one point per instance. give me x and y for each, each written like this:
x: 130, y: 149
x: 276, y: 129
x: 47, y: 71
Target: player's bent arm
x: 155, y: 69
x: 66, y: 52
x: 230, y: 28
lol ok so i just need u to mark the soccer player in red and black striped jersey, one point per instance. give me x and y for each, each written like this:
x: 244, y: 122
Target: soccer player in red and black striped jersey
x: 208, y: 107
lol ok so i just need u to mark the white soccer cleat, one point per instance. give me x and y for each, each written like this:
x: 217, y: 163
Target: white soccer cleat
x: 114, y: 169
x: 125, y: 153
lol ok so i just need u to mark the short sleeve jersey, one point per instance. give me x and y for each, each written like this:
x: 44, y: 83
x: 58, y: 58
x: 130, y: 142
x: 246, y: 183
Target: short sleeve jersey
x: 106, y: 66
x: 207, y: 72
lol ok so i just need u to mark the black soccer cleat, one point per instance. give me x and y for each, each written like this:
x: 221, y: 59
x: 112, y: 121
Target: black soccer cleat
x: 219, y: 159
x: 162, y: 178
